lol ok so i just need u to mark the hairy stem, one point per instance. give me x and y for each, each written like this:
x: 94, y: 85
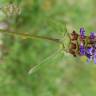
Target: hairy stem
x: 27, y: 35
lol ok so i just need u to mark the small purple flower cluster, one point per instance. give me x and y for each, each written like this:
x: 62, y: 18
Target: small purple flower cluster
x: 87, y: 45
x: 82, y: 33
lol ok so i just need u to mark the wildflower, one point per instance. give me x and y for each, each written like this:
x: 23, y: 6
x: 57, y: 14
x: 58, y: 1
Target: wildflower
x: 90, y: 50
x: 89, y: 53
x: 82, y: 33
x: 92, y: 35
x: 82, y: 49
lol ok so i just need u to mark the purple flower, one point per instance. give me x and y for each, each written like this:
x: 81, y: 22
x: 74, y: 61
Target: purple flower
x: 82, y: 32
x: 89, y: 54
x: 92, y: 35
x: 82, y: 49
x: 89, y: 59
x: 89, y: 50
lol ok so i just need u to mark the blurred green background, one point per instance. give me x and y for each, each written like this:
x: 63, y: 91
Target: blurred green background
x: 60, y: 75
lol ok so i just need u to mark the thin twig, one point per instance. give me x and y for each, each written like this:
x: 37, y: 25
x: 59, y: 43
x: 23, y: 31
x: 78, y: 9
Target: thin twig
x: 33, y: 69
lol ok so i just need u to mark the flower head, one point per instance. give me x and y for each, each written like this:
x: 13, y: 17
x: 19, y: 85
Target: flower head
x: 82, y: 33
x: 92, y: 35
x: 89, y: 50
x: 82, y: 49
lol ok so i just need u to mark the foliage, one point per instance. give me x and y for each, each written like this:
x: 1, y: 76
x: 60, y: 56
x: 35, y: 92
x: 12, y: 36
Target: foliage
x: 60, y: 75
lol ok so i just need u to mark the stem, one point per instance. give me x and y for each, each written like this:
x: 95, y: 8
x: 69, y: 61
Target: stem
x: 26, y: 35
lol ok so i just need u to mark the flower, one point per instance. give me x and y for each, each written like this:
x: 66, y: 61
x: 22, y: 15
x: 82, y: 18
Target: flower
x: 89, y: 50
x: 87, y: 45
x: 82, y: 33
x: 92, y: 35
x: 89, y: 59
x: 89, y: 53
x: 82, y: 49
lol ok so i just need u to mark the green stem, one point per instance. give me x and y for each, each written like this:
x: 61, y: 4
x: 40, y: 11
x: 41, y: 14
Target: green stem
x: 27, y: 35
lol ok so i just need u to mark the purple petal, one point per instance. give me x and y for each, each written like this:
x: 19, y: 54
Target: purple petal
x: 82, y: 49
x: 89, y: 59
x: 89, y: 51
x: 82, y: 32
x: 88, y: 56
x: 92, y: 35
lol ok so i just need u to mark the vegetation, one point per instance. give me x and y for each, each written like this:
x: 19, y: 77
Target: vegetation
x: 59, y: 73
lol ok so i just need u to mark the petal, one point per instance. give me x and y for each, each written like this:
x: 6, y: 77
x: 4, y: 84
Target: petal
x: 92, y: 35
x: 89, y: 50
x: 82, y: 30
x: 89, y: 59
